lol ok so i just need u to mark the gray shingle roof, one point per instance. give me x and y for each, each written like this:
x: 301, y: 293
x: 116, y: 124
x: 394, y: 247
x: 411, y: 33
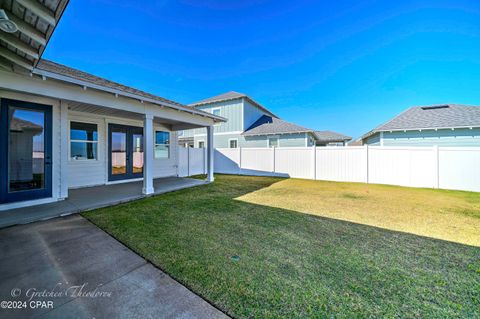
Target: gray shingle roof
x: 329, y: 136
x: 232, y: 95
x: 432, y: 117
x: 63, y: 70
x: 268, y: 125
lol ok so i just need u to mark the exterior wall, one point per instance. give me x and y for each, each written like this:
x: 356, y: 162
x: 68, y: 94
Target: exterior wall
x: 292, y: 140
x: 373, y: 140
x: 458, y: 137
x: 251, y: 114
x: 232, y: 110
x: 284, y: 140
x: 84, y: 173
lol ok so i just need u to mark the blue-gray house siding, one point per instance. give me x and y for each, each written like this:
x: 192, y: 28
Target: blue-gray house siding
x: 241, y: 114
x: 442, y: 137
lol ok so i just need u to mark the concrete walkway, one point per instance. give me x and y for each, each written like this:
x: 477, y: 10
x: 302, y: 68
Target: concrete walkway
x: 86, y: 273
x: 89, y: 198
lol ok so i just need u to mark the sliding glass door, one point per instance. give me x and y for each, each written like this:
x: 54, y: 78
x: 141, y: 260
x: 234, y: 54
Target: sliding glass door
x: 125, y: 152
x: 26, y: 151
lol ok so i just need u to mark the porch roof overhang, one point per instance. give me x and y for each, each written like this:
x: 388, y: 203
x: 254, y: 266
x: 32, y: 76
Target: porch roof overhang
x: 106, y: 101
x: 36, y: 22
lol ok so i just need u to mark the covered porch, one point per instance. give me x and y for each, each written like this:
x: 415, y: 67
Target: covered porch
x: 92, y: 132
x: 88, y: 198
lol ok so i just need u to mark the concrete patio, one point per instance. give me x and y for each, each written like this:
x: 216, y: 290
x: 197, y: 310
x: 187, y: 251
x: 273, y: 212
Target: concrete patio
x: 85, y: 273
x: 89, y: 198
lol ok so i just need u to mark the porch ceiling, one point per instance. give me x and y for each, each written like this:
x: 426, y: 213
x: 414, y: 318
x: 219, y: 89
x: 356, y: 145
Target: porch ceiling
x: 36, y: 20
x: 114, y: 112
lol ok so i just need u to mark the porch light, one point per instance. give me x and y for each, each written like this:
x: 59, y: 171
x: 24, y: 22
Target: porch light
x: 6, y: 24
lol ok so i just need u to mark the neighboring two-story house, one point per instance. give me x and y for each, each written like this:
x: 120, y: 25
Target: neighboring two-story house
x: 249, y: 125
x: 442, y: 125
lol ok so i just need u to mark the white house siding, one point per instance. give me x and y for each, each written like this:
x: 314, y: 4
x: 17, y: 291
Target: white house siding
x: 463, y: 137
x: 83, y: 173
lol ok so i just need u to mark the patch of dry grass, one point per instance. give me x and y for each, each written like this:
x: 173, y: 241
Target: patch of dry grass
x: 441, y: 214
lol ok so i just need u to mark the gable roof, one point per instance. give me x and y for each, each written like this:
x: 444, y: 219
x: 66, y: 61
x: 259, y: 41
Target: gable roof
x: 330, y: 136
x: 62, y: 72
x: 268, y: 125
x: 232, y: 95
x: 432, y: 117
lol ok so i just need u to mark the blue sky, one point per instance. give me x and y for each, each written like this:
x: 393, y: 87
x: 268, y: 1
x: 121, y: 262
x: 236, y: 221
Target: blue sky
x: 340, y: 65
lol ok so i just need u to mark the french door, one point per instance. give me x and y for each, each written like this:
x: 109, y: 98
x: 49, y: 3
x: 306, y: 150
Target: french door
x: 125, y: 149
x: 25, y: 151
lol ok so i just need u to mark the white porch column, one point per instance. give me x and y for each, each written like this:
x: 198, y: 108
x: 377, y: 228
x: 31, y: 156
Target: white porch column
x: 210, y: 153
x: 64, y: 137
x: 147, y: 154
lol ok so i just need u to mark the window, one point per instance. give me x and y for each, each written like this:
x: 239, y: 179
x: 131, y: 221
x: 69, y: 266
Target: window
x: 83, y: 141
x: 273, y: 142
x: 162, y: 144
x: 201, y: 144
x: 216, y: 111
x: 233, y: 143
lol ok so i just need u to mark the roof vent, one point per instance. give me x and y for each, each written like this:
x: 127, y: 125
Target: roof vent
x: 6, y: 24
x: 435, y: 107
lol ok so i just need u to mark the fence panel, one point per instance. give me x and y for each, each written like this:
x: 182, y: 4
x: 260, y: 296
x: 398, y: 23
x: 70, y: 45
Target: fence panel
x: 459, y: 168
x: 183, y: 162
x: 295, y: 162
x: 227, y: 160
x: 413, y: 166
x: 197, y: 161
x: 257, y: 161
x: 347, y: 164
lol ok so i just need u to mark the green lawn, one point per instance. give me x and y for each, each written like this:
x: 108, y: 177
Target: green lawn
x: 295, y: 264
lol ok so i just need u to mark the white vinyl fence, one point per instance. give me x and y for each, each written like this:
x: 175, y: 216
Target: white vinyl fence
x: 433, y: 167
x: 192, y: 161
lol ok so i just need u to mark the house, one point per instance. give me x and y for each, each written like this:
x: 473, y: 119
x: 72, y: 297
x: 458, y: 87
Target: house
x: 251, y: 125
x: 330, y: 138
x: 62, y: 128
x: 441, y: 125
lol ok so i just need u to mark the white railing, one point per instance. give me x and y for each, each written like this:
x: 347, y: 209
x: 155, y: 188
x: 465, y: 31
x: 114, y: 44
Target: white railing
x: 433, y: 167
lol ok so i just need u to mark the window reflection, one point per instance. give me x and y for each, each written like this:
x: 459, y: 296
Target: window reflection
x: 26, y: 150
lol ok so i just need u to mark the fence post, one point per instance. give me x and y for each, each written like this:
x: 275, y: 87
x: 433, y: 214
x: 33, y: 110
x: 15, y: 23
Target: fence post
x: 188, y: 161
x: 367, y: 160
x: 205, y: 150
x: 239, y: 161
x: 274, y: 160
x: 314, y: 162
x: 436, y: 165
